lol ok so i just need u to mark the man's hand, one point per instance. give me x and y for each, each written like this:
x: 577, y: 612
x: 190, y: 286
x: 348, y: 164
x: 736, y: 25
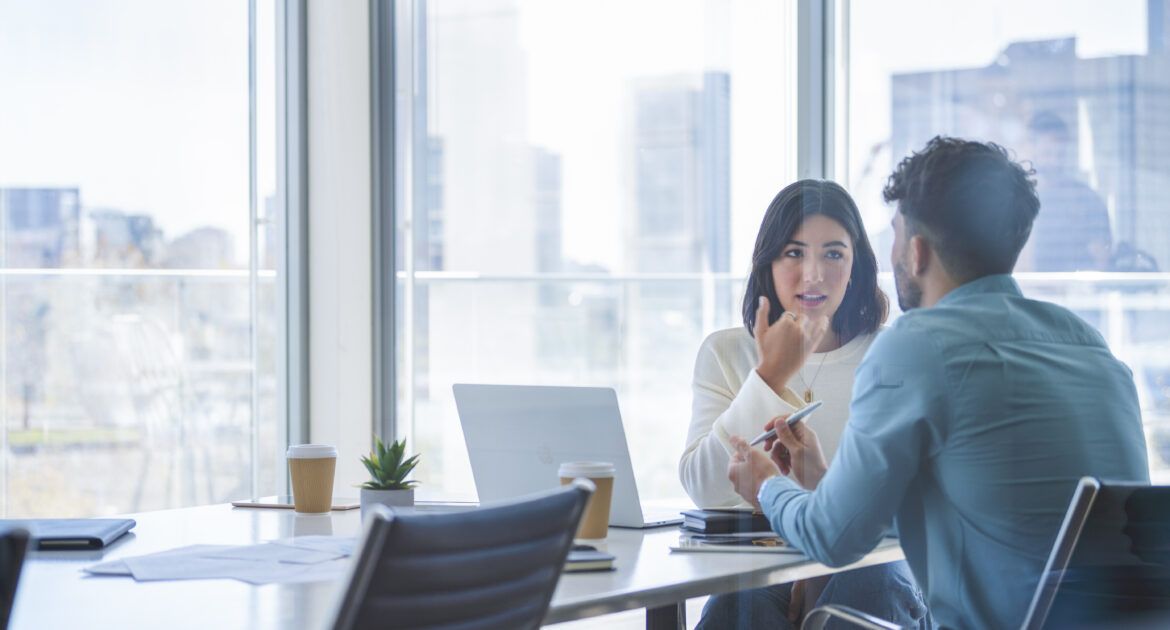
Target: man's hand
x: 748, y: 470
x: 784, y: 346
x: 796, y: 450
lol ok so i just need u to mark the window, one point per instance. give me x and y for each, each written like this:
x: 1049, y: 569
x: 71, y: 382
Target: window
x: 138, y: 306
x: 1080, y: 90
x: 580, y: 185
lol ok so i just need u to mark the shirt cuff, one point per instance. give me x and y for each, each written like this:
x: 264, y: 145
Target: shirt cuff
x: 754, y: 405
x: 771, y: 490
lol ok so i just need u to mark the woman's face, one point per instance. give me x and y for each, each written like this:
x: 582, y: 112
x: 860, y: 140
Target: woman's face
x: 812, y: 272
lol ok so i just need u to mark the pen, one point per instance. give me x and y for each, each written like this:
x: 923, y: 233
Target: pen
x: 797, y: 416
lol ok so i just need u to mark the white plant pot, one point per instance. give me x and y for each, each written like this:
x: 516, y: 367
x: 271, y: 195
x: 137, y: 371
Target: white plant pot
x: 389, y: 498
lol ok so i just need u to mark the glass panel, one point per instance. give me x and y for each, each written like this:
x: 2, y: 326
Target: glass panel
x: 1082, y: 91
x: 136, y: 346
x: 582, y: 204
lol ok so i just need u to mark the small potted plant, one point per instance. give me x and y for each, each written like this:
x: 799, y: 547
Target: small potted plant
x: 388, y: 471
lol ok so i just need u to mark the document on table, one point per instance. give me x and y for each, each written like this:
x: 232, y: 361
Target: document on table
x: 286, y: 561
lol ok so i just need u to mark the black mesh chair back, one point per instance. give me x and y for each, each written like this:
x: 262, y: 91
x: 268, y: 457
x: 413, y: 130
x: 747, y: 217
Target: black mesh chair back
x: 1117, y: 568
x: 13, y: 545
x: 487, y: 568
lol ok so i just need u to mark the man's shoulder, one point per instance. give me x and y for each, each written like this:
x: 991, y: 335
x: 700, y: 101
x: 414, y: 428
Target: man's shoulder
x: 919, y: 322
x: 984, y: 318
x: 909, y: 338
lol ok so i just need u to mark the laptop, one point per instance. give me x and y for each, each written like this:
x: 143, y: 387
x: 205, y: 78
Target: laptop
x: 518, y: 435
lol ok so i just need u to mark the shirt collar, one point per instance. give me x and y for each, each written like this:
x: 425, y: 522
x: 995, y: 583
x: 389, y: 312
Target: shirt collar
x: 998, y: 283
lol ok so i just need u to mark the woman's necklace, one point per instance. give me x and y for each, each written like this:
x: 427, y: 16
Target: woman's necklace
x: 808, y: 392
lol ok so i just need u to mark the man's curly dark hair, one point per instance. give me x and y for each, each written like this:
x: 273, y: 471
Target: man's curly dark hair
x: 970, y: 200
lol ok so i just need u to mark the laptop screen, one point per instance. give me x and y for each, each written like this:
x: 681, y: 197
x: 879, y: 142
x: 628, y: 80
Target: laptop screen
x: 518, y: 436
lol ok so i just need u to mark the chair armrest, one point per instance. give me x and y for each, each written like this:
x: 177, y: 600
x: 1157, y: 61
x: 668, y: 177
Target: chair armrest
x: 818, y: 617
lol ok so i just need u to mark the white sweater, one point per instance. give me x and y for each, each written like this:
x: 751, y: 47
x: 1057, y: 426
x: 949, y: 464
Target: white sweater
x: 730, y: 398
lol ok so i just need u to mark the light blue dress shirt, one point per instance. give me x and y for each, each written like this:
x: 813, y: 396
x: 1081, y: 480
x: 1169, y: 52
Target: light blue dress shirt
x: 970, y: 424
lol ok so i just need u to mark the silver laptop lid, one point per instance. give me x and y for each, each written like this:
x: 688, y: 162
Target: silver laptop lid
x: 518, y: 435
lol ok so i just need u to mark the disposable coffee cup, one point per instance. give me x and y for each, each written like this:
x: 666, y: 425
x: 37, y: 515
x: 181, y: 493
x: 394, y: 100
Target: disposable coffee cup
x: 312, y: 467
x: 595, y: 521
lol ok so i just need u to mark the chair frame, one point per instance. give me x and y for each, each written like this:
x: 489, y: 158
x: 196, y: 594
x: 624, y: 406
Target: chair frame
x: 16, y: 541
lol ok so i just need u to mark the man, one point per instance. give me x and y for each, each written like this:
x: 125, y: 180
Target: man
x: 972, y: 416
x: 1073, y: 231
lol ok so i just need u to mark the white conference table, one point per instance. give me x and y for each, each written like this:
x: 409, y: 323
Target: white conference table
x: 55, y: 593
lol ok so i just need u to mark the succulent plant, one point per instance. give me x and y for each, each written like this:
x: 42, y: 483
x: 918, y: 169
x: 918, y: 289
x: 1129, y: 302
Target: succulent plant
x: 387, y: 469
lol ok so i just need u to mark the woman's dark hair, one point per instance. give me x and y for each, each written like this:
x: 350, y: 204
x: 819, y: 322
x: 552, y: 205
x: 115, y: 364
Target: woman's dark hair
x: 864, y: 306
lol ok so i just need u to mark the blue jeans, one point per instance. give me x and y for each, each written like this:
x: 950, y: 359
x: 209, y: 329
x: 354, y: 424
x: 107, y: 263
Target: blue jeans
x: 886, y: 591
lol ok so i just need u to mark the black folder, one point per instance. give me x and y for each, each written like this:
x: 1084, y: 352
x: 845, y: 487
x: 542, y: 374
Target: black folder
x: 71, y: 533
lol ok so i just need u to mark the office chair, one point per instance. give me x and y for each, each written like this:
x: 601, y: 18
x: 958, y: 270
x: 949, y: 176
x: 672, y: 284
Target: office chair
x: 1109, y: 566
x: 1118, y: 568
x: 488, y: 568
x: 13, y: 545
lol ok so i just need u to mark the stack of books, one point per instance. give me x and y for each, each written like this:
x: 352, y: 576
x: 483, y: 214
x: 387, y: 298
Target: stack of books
x: 704, y: 530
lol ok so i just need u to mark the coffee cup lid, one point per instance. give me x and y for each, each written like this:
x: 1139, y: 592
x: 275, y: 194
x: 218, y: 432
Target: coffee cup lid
x: 311, y: 451
x: 586, y: 469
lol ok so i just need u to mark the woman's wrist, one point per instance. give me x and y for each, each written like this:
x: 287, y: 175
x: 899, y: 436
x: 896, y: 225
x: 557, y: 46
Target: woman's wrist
x: 774, y: 378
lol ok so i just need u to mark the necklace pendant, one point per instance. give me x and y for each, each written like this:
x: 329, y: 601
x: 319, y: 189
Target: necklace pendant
x: 808, y: 395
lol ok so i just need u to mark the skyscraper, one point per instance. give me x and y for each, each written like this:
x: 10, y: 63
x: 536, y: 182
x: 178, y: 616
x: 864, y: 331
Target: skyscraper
x: 40, y: 226
x: 679, y: 216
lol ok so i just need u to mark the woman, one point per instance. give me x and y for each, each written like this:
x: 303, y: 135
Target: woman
x: 811, y: 309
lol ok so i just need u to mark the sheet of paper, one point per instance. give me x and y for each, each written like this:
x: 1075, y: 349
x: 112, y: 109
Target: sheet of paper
x: 286, y: 561
x: 118, y: 567
x: 195, y: 567
x: 276, y: 553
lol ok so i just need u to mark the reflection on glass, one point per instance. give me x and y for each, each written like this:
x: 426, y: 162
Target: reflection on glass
x: 1072, y: 233
x: 1071, y: 90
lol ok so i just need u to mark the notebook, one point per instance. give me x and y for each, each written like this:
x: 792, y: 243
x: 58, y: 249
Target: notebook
x: 588, y: 558
x: 724, y: 521
x: 72, y: 533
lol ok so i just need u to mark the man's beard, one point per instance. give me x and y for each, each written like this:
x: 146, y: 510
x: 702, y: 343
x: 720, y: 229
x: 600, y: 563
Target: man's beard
x: 909, y: 293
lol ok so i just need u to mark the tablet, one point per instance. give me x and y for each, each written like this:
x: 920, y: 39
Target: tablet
x: 286, y: 502
x: 685, y: 543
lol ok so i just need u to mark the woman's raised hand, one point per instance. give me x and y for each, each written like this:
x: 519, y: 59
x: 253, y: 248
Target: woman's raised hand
x: 785, y: 345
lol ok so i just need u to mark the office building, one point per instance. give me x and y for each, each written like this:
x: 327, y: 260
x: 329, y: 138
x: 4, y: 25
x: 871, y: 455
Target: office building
x: 41, y: 226
x: 121, y: 239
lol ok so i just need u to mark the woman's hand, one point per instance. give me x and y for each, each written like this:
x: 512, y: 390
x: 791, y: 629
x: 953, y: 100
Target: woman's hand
x: 748, y: 470
x: 796, y: 450
x: 785, y: 345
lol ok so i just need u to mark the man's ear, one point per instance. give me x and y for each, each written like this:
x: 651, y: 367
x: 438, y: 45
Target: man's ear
x: 920, y: 255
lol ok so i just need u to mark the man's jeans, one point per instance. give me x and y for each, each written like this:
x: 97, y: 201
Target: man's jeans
x: 886, y: 591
